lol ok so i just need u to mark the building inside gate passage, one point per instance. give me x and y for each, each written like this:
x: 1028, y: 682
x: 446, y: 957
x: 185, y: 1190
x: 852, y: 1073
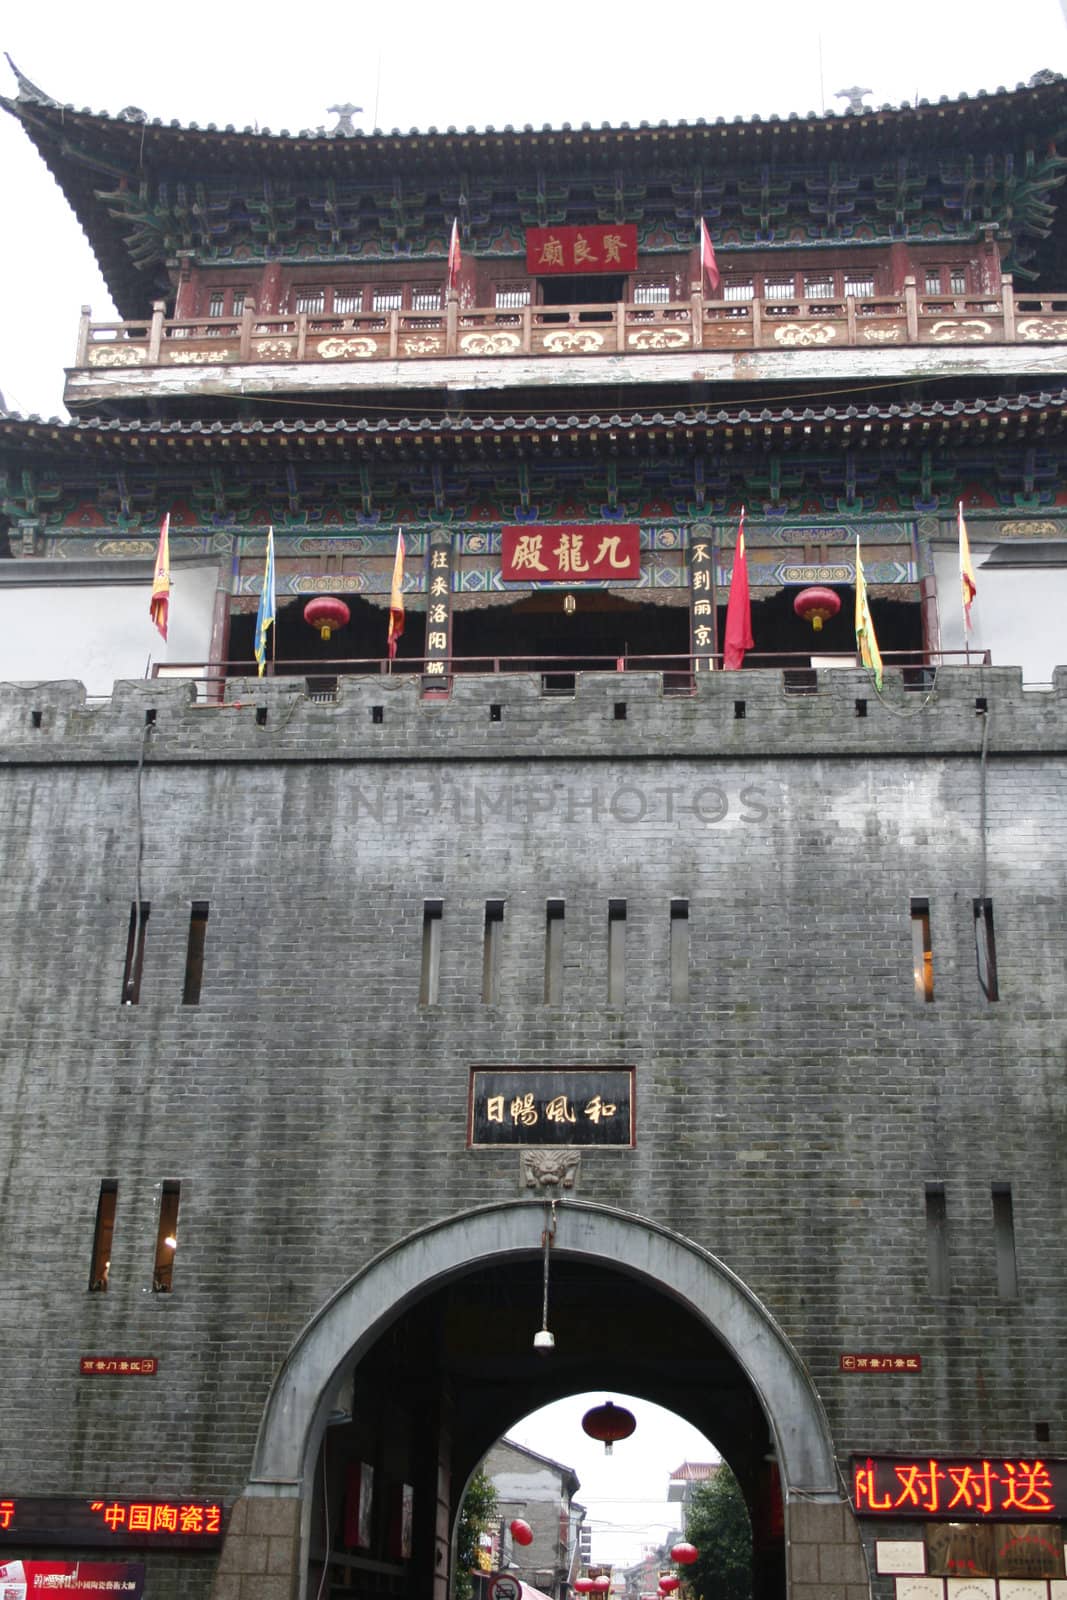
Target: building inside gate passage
x: 336, y: 1001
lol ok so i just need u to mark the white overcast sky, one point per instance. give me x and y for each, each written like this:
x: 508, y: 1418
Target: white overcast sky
x: 428, y: 64
x: 625, y: 1493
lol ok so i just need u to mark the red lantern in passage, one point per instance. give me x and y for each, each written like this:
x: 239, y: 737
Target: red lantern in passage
x: 521, y: 1531
x: 685, y: 1553
x: 584, y: 1585
x: 817, y: 605
x: 602, y: 1584
x: 669, y: 1583
x: 608, y: 1423
x: 326, y: 613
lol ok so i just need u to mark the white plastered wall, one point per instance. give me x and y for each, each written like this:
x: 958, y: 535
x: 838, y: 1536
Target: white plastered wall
x: 96, y: 633
x: 1018, y: 613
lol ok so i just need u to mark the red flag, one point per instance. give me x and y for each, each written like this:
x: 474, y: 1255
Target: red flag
x: 738, y: 637
x: 159, y: 605
x: 708, y: 265
x: 396, y: 597
x: 967, y: 583
x: 454, y: 257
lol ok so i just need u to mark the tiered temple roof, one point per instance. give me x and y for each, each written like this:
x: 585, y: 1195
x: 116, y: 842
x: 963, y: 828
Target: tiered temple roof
x: 151, y: 194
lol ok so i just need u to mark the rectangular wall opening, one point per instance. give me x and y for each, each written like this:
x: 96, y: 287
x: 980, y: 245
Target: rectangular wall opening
x: 103, y: 1233
x: 194, y: 953
x: 430, y: 980
x: 679, y: 951
x: 1004, y: 1242
x: 985, y: 949
x: 616, y: 952
x: 936, y: 1239
x: 135, y: 940
x: 166, y: 1237
x: 553, y: 952
x: 491, y: 944
x: 922, y: 952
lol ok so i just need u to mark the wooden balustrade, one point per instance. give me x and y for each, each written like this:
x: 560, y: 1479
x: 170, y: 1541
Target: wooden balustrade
x: 852, y: 322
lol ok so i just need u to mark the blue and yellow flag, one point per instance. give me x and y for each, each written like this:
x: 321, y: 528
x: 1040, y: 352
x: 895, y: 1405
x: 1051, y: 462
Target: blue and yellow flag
x: 866, y: 642
x: 265, y: 614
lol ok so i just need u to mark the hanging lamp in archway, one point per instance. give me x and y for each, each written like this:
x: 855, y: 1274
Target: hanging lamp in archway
x: 684, y: 1553
x: 608, y: 1423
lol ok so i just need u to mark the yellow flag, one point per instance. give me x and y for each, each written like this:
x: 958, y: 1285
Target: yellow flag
x: 159, y: 605
x: 396, y: 597
x: 866, y: 642
x: 967, y: 583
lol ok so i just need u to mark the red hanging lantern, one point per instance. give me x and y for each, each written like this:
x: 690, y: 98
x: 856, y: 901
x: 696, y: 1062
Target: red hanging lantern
x: 326, y: 613
x: 817, y: 605
x: 684, y: 1553
x: 602, y: 1584
x: 584, y: 1585
x: 669, y: 1583
x: 608, y: 1423
x: 521, y: 1531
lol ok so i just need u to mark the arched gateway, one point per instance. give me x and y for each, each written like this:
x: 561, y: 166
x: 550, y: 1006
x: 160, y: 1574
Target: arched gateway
x: 269, y: 1529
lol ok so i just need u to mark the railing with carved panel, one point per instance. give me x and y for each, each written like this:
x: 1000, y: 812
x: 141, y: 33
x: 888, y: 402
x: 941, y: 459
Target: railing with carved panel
x: 853, y: 322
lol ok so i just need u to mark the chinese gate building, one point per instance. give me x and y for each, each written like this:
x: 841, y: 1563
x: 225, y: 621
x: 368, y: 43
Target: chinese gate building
x: 338, y: 1001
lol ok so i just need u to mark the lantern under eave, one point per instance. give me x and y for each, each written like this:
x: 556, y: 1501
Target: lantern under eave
x: 326, y: 613
x: 684, y: 1553
x: 521, y: 1531
x: 817, y: 605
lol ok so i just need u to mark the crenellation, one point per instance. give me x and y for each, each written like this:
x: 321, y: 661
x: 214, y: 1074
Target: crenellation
x: 942, y: 720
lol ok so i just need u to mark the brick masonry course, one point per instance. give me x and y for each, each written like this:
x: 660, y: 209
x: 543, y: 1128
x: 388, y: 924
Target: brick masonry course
x: 790, y: 1113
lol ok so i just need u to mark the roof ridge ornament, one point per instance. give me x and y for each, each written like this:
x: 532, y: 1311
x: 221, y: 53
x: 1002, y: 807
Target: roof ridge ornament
x: 29, y: 91
x: 345, y: 113
x: 854, y: 96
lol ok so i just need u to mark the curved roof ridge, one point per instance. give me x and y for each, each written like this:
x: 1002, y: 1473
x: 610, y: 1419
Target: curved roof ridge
x: 27, y: 89
x: 695, y: 417
x: 30, y: 94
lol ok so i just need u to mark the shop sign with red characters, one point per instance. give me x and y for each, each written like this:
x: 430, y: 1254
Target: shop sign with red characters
x: 610, y: 247
x: 596, y: 552
x: 65, y: 1520
x: 972, y: 1489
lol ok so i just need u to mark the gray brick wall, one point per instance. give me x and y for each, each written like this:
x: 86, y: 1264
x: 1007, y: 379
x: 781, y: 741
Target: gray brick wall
x: 789, y: 1114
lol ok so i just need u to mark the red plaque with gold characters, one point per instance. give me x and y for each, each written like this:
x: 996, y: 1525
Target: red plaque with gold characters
x: 581, y: 553
x: 879, y: 1363
x: 118, y: 1366
x: 608, y: 247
